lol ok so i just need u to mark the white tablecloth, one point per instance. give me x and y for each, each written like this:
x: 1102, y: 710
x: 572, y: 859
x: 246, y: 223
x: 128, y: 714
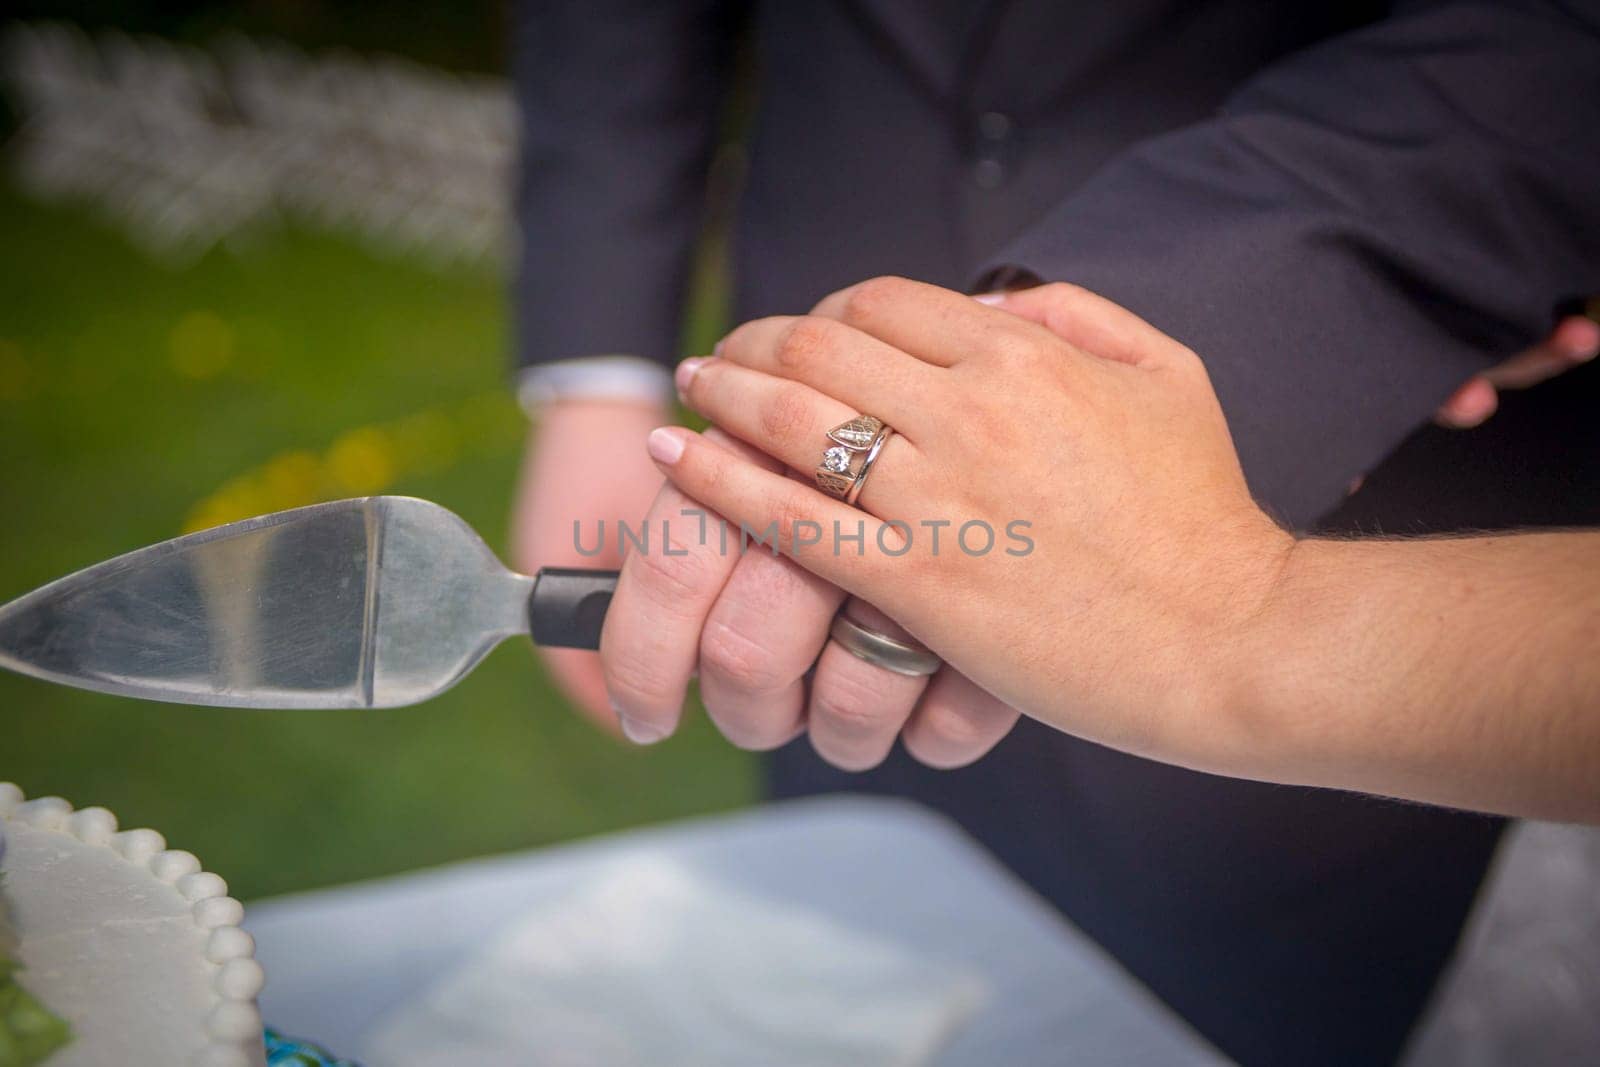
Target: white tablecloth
x: 339, y: 961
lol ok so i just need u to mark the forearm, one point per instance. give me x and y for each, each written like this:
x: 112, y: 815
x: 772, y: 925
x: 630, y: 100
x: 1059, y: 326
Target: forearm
x: 1463, y: 672
x: 618, y: 105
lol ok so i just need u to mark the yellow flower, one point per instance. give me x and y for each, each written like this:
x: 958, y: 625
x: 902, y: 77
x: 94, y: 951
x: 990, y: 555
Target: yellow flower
x: 361, y: 462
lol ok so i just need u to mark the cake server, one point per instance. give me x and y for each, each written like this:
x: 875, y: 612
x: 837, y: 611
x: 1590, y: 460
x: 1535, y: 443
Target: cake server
x: 367, y: 603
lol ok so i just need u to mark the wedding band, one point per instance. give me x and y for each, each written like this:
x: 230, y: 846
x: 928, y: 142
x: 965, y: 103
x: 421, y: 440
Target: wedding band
x: 882, y: 650
x: 839, y: 474
x: 866, y: 465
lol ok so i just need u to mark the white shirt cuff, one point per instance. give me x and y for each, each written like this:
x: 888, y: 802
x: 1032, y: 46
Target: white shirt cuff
x: 613, y: 377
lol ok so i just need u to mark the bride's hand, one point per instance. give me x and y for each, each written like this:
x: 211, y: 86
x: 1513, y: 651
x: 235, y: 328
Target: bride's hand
x: 1103, y: 559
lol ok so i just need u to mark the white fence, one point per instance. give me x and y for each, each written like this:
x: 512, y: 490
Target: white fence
x: 188, y: 148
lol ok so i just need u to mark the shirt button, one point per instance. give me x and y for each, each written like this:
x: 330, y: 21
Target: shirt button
x: 992, y: 150
x: 994, y: 126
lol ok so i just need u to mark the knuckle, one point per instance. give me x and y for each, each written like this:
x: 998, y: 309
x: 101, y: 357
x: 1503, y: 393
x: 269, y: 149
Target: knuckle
x: 1190, y: 362
x: 853, y: 701
x: 743, y: 662
x: 867, y: 300
x: 847, y: 717
x: 736, y: 342
x: 1181, y: 365
x: 706, y: 384
x: 1017, y: 350
x: 741, y: 338
x: 770, y: 588
x: 786, y: 415
x: 670, y: 578
x: 803, y: 343
x: 637, y: 682
x: 788, y: 512
x: 1062, y: 292
x: 751, y: 719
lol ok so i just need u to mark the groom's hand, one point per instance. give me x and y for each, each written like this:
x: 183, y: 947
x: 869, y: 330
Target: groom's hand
x: 584, y: 465
x: 752, y: 625
x: 1574, y: 341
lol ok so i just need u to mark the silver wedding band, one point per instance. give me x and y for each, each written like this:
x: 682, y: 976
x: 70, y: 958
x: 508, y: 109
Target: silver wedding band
x: 866, y: 465
x: 881, y: 650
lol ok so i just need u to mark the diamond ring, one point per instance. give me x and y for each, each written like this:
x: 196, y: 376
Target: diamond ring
x: 839, y: 474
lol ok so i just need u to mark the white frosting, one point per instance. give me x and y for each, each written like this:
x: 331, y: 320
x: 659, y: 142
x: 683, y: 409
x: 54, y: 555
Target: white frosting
x: 229, y: 943
x: 173, y: 864
x: 138, y: 846
x: 130, y: 942
x: 241, y: 979
x: 93, y: 826
x: 221, y: 911
x: 202, y: 885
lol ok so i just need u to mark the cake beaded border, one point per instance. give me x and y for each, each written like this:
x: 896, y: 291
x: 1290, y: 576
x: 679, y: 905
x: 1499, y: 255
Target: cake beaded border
x: 233, y: 1025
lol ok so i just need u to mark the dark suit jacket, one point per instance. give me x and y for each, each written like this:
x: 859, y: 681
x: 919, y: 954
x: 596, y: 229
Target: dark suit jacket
x: 1344, y: 209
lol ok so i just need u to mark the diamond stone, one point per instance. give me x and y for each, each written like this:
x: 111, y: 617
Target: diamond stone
x: 857, y: 434
x: 836, y: 459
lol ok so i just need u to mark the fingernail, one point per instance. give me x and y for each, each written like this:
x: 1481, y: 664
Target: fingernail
x: 686, y: 372
x: 992, y: 299
x: 665, y: 444
x: 640, y: 733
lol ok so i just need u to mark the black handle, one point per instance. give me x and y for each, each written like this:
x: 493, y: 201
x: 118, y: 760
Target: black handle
x: 568, y: 606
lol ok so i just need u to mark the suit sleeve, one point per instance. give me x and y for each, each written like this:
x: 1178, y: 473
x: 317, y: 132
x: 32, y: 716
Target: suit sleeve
x: 1362, y: 226
x: 619, y: 103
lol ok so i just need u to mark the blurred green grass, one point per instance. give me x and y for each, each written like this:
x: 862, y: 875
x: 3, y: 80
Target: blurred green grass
x: 114, y: 431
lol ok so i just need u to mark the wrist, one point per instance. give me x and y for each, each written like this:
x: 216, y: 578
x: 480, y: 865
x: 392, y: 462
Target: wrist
x: 1222, y: 714
x: 579, y: 423
x: 618, y: 406
x: 1273, y: 700
x: 597, y: 437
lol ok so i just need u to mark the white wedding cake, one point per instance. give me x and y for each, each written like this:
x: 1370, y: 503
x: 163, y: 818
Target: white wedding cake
x: 129, y: 944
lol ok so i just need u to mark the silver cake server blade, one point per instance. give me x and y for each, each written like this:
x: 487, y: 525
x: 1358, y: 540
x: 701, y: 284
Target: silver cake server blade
x: 368, y: 603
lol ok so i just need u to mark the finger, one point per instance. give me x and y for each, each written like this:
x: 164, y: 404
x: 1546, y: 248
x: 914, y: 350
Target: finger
x: 838, y: 360
x: 1469, y: 405
x: 790, y: 422
x: 764, y: 633
x: 651, y: 639
x: 936, y: 325
x: 956, y: 722
x: 802, y: 521
x: 858, y: 708
x: 1086, y: 320
x: 1574, y: 341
